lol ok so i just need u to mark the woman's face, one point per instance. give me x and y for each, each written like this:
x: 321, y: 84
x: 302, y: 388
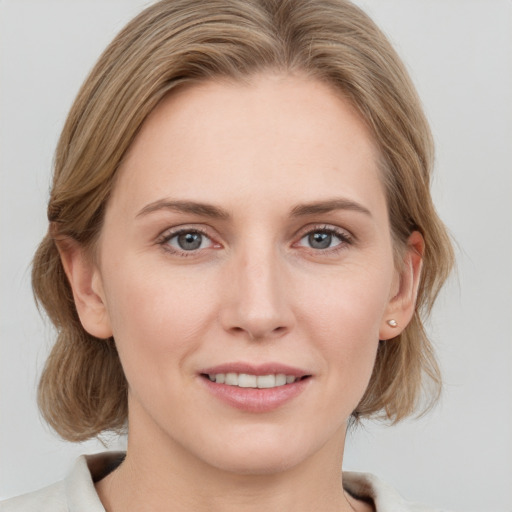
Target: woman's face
x: 247, y: 243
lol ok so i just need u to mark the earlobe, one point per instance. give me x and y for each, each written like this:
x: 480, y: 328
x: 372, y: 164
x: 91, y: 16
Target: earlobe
x: 87, y: 286
x: 402, y: 305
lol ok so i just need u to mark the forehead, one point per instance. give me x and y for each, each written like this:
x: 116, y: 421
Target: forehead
x: 277, y: 135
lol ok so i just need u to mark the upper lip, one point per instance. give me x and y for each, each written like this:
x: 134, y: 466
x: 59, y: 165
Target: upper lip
x: 270, y: 368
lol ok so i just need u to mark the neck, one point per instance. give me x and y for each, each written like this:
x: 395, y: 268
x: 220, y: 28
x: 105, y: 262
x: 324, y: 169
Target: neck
x: 160, y: 475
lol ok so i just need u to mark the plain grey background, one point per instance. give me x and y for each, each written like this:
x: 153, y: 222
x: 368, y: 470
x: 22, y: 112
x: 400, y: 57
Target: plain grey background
x: 459, y: 53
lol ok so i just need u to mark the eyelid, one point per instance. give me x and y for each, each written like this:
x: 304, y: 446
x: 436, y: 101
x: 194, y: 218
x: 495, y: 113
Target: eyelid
x: 331, y: 228
x: 169, y: 233
x: 345, y: 236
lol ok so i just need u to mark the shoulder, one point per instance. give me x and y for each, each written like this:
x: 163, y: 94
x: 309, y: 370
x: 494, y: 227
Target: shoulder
x: 75, y: 493
x: 384, y: 498
x: 51, y: 498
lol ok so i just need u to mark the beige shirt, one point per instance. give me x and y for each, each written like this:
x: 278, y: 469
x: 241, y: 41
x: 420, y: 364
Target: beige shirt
x: 76, y: 493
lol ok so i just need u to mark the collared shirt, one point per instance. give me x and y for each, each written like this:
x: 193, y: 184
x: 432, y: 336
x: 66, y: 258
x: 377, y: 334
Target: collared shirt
x: 76, y: 493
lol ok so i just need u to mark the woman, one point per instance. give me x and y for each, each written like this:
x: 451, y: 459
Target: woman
x: 241, y: 247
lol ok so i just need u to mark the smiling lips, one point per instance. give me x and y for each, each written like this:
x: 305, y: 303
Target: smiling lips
x: 255, y: 389
x: 246, y: 380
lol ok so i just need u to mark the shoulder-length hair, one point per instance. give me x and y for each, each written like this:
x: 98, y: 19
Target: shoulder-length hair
x: 83, y: 391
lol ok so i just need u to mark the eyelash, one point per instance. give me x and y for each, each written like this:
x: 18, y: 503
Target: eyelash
x: 167, y: 236
x: 344, y: 237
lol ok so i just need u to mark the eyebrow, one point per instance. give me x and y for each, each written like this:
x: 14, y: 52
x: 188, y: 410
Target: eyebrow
x: 202, y: 209
x: 328, y: 206
x: 208, y: 210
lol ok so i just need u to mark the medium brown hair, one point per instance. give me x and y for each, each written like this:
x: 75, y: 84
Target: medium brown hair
x: 83, y: 391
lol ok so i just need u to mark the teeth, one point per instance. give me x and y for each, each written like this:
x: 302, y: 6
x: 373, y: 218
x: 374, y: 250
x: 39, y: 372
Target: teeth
x: 231, y: 379
x: 280, y: 379
x: 266, y: 381
x: 246, y: 380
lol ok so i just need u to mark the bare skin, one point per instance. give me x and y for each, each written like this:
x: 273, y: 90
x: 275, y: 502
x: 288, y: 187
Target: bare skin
x: 248, y: 226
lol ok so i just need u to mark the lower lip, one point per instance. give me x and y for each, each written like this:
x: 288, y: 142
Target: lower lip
x: 256, y: 399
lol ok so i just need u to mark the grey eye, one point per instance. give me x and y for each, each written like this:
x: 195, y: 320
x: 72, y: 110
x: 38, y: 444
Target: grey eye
x: 189, y: 241
x: 323, y: 239
x: 319, y: 240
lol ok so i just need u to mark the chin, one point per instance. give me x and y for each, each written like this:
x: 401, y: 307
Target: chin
x: 264, y: 463
x: 259, y: 454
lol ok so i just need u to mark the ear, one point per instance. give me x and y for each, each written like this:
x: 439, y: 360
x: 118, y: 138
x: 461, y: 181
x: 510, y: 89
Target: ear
x: 402, y: 303
x: 87, y: 286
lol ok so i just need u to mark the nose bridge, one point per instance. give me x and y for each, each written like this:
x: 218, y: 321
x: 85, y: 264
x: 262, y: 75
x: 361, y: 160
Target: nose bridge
x: 260, y: 305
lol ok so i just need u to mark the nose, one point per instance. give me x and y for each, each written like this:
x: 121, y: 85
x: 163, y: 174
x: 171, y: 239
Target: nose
x: 258, y: 297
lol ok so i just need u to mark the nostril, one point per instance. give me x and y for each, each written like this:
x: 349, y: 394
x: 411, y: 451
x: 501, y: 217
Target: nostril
x: 259, y: 332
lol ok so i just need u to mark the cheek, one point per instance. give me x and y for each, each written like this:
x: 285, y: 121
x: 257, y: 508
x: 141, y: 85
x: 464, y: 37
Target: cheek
x: 344, y: 317
x: 155, y: 317
x: 351, y: 300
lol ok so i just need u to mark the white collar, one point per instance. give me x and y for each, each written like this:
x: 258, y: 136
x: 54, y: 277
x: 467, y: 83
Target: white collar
x: 81, y: 493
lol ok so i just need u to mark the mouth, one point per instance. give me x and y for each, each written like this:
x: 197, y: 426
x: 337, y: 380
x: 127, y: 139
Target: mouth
x: 248, y: 380
x: 255, y: 388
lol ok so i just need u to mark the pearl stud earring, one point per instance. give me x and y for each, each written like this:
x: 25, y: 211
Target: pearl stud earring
x: 392, y: 323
